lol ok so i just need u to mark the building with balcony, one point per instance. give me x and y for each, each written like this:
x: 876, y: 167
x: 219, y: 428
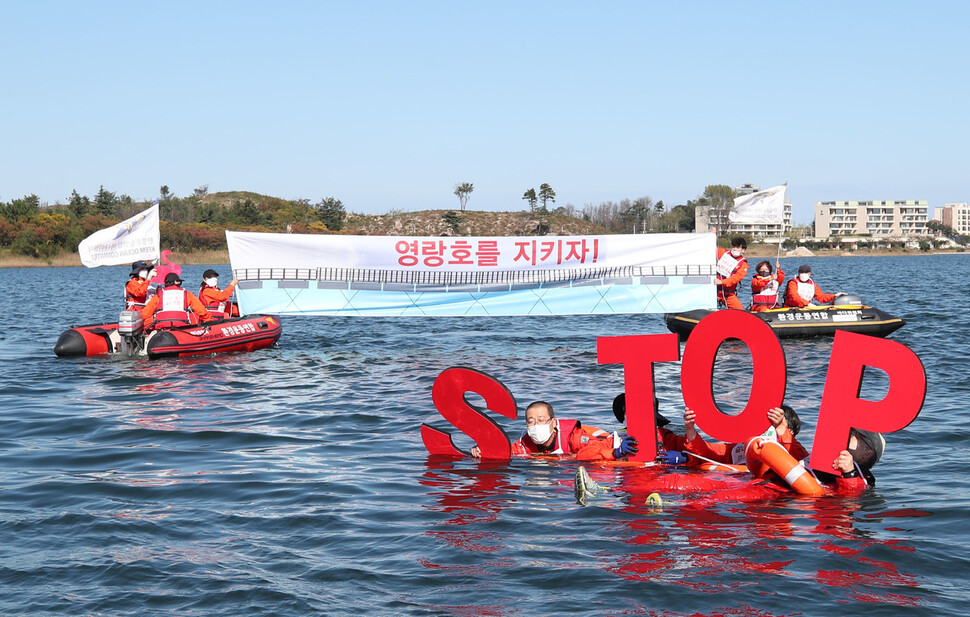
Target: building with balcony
x: 876, y: 219
x: 956, y: 216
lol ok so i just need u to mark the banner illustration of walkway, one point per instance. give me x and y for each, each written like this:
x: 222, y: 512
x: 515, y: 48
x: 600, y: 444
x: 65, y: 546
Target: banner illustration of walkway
x: 305, y: 274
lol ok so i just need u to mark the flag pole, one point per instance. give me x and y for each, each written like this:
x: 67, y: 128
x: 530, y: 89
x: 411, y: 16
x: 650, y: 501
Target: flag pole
x: 781, y: 229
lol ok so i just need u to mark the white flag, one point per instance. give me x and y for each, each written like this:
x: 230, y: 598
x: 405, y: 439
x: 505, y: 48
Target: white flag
x: 128, y: 241
x: 767, y: 206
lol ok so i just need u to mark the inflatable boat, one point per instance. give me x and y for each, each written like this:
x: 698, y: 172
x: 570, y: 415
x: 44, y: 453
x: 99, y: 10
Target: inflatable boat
x: 850, y: 314
x: 127, y: 337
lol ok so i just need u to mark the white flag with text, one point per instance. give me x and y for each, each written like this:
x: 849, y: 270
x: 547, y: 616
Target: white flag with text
x: 767, y: 206
x: 130, y: 240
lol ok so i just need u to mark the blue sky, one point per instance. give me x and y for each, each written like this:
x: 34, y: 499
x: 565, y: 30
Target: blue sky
x: 391, y: 104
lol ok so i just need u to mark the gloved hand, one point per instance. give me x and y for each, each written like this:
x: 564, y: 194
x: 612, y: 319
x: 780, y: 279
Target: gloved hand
x: 627, y: 446
x: 672, y: 457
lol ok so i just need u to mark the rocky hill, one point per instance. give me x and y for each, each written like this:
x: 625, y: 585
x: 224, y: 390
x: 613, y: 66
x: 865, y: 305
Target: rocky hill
x: 468, y: 223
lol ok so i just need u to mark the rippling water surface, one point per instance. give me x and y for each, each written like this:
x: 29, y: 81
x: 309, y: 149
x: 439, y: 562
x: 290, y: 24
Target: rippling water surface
x: 293, y: 481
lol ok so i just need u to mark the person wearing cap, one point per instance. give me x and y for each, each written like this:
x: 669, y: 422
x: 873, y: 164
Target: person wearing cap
x: 669, y: 444
x: 172, y: 306
x: 215, y: 299
x: 547, y: 434
x: 136, y: 290
x: 863, y: 451
x: 803, y: 291
x: 765, y: 286
x: 732, y: 267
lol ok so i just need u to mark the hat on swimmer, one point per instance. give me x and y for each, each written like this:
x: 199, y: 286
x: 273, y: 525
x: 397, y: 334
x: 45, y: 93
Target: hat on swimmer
x: 171, y: 278
x: 804, y: 268
x: 209, y: 273
x: 870, y: 441
x: 138, y: 266
x: 619, y: 410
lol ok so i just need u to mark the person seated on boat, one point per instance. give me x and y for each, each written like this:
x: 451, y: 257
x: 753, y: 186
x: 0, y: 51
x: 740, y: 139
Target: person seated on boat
x: 547, y: 434
x: 669, y: 444
x: 785, y: 425
x: 732, y: 267
x: 172, y: 306
x: 765, y: 286
x: 214, y: 299
x: 136, y: 290
x: 803, y: 291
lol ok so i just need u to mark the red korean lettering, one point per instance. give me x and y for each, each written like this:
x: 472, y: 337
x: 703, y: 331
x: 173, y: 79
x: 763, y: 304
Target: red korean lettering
x: 638, y: 354
x: 842, y: 409
x: 768, y: 374
x: 461, y: 253
x: 577, y: 250
x: 548, y: 248
x: 433, y: 252
x: 448, y: 394
x: 408, y: 252
x: 526, y: 251
x: 487, y: 253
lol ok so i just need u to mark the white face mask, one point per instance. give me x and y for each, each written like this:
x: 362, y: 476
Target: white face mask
x: 212, y: 281
x: 143, y: 274
x: 804, y: 276
x: 736, y: 252
x: 540, y: 433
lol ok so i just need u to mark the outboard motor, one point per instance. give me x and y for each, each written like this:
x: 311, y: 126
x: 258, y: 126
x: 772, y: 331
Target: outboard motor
x: 131, y: 327
x: 849, y: 300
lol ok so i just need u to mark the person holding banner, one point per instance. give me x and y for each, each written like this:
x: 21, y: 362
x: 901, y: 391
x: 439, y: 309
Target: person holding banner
x: 765, y: 286
x: 732, y: 267
x: 547, y: 434
x: 215, y: 299
x: 803, y: 291
x: 785, y: 424
x: 172, y: 306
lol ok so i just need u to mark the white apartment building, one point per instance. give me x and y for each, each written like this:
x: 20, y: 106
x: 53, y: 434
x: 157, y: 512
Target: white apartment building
x: 878, y: 219
x: 956, y: 216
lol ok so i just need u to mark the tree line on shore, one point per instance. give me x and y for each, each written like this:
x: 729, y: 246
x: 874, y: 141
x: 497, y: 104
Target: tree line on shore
x: 199, y: 221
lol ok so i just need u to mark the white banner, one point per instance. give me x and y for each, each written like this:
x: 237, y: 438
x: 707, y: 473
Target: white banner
x: 128, y: 241
x: 767, y: 206
x: 304, y: 274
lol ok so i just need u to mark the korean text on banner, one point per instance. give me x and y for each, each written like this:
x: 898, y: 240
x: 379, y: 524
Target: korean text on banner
x: 302, y: 274
x: 767, y: 206
x: 128, y: 241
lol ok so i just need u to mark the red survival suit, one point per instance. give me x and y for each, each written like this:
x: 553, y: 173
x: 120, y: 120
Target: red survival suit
x: 801, y: 293
x: 136, y: 293
x: 215, y: 300
x: 588, y: 443
x: 170, y: 308
x: 731, y: 270
x: 764, y: 291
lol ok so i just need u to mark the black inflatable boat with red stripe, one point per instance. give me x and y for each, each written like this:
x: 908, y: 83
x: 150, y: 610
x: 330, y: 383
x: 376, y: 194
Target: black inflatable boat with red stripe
x: 127, y: 338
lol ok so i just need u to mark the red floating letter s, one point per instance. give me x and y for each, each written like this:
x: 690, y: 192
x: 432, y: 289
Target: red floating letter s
x: 842, y: 409
x: 448, y: 394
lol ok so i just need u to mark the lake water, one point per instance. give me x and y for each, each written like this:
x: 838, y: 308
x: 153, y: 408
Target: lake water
x: 293, y: 481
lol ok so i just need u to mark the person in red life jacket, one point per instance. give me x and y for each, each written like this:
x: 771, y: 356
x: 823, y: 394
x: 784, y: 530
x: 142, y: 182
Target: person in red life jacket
x: 172, y: 306
x: 784, y: 421
x: 765, y: 286
x: 136, y: 290
x: 547, y: 434
x: 732, y: 267
x: 215, y: 299
x: 803, y: 291
x: 670, y: 445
